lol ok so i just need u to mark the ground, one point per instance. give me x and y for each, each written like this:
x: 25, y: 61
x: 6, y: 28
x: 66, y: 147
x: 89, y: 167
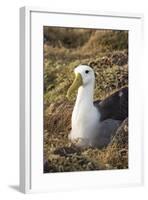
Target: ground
x: 107, y: 53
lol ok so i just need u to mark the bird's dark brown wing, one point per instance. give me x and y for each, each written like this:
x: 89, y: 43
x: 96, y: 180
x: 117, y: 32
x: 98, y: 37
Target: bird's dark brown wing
x: 114, y: 106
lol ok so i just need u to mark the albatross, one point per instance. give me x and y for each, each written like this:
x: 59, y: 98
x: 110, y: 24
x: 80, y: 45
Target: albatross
x: 94, y: 123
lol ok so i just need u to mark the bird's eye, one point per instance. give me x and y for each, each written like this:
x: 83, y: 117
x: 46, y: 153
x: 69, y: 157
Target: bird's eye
x: 87, y: 71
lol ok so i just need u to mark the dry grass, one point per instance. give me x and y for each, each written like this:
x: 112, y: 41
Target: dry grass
x: 106, y: 52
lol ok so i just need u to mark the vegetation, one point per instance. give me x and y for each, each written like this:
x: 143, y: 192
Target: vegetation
x: 106, y: 51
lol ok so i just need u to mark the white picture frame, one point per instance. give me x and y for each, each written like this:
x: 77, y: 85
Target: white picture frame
x: 32, y: 178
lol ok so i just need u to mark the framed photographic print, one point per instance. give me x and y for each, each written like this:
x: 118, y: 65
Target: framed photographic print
x: 80, y: 100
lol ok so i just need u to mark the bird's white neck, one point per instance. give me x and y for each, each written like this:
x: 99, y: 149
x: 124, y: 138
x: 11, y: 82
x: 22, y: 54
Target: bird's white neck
x: 85, y: 96
x: 83, y: 105
x: 85, y: 117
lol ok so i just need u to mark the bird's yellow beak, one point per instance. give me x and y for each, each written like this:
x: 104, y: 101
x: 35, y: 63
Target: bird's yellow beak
x: 75, y: 85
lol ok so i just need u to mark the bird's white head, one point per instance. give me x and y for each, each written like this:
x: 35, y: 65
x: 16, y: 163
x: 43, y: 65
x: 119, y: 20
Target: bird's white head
x: 84, y: 76
x: 86, y: 73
